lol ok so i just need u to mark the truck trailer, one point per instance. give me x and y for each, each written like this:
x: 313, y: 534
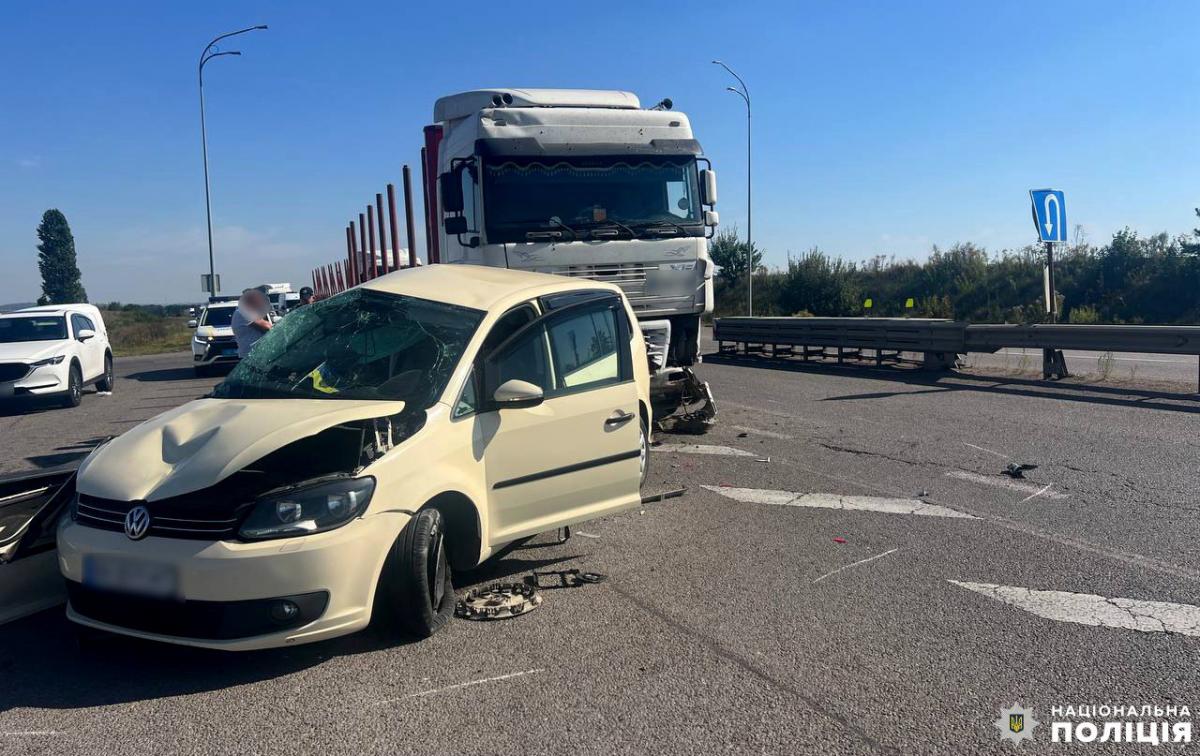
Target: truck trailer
x: 584, y: 183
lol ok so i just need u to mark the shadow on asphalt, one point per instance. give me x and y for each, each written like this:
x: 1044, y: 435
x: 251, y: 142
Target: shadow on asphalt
x: 956, y: 381
x: 171, y: 374
x: 43, y: 666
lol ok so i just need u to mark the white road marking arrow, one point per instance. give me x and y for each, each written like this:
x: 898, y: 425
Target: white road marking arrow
x: 837, y: 501
x: 1098, y: 611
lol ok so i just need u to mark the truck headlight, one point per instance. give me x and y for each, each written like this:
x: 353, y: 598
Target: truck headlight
x: 56, y: 359
x: 303, y: 511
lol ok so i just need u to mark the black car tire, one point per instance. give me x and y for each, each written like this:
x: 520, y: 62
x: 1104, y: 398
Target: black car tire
x: 108, y: 379
x: 415, y: 594
x: 74, y: 393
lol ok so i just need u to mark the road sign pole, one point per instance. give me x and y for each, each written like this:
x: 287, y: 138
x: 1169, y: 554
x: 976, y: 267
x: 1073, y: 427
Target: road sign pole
x: 1052, y: 305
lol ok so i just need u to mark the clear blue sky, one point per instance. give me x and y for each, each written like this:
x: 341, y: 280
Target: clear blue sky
x: 880, y: 127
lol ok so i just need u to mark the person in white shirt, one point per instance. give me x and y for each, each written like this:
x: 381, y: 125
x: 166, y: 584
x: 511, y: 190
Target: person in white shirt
x: 250, y: 320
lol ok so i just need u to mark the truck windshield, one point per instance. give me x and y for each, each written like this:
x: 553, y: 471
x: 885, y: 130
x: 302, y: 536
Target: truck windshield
x: 359, y: 345
x: 42, y: 328
x: 639, y: 195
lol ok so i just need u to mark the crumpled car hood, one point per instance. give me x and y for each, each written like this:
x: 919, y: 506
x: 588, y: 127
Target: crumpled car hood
x: 202, y: 442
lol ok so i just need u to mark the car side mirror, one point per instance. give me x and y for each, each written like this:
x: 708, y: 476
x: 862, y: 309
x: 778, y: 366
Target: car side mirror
x: 455, y: 225
x: 85, y: 333
x: 516, y: 394
x: 193, y: 323
x: 452, y: 193
x: 708, y: 186
x: 711, y: 217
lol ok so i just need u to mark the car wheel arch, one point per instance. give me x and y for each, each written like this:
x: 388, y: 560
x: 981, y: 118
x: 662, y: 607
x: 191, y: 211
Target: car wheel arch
x: 464, y: 528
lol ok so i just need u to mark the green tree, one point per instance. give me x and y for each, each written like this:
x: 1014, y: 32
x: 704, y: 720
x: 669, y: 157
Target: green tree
x: 728, y: 253
x: 1192, y: 246
x: 56, y: 261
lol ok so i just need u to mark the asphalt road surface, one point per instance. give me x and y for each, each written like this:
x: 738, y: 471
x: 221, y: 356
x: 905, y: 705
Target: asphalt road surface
x: 847, y: 573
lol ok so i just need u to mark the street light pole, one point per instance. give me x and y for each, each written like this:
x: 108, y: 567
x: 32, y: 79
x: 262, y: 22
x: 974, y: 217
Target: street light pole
x: 210, y: 52
x: 744, y: 93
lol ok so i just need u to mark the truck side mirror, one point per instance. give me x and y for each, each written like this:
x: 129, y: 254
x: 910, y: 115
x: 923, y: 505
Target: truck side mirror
x: 455, y: 225
x: 711, y: 217
x: 452, y: 193
x: 708, y: 187
x: 193, y: 323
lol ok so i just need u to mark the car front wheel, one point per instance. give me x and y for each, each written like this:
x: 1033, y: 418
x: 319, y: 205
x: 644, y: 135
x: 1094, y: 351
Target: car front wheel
x: 415, y: 593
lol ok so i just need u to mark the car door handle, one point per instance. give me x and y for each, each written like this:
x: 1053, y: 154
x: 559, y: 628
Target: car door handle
x: 620, y: 417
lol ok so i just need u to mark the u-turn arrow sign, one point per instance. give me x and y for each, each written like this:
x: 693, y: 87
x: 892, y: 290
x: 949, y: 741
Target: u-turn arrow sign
x: 1049, y: 214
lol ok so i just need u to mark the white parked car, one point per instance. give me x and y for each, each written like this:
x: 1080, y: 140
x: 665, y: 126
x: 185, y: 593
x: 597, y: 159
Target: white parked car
x: 213, y: 342
x: 372, y: 444
x: 54, y: 351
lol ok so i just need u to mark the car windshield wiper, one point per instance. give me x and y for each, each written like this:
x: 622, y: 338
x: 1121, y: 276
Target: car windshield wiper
x: 660, y: 227
x: 609, y: 224
x: 554, y: 220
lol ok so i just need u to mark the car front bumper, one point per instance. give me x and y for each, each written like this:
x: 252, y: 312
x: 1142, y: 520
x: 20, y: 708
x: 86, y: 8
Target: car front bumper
x: 226, y: 591
x: 222, y: 350
x: 41, y: 381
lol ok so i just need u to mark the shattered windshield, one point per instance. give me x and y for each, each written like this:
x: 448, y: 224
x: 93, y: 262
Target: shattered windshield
x: 359, y: 345
x: 634, y: 195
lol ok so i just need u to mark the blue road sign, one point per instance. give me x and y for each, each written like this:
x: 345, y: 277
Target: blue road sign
x: 1049, y: 214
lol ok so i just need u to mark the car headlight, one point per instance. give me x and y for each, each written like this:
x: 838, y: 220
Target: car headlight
x: 303, y: 511
x: 56, y: 359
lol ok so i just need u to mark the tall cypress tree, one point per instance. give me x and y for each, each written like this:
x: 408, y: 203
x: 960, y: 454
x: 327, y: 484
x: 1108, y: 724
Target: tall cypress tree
x: 56, y: 260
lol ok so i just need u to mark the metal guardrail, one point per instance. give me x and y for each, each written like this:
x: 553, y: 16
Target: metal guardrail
x: 941, y: 341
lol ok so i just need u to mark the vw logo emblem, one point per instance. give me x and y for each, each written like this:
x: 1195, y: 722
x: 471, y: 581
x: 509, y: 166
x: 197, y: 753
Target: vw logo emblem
x: 137, y: 522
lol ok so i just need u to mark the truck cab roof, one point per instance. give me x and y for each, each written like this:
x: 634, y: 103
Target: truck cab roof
x: 463, y: 104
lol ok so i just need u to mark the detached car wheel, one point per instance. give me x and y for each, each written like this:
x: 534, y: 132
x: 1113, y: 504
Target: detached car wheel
x: 107, y: 381
x: 74, y: 393
x: 415, y: 594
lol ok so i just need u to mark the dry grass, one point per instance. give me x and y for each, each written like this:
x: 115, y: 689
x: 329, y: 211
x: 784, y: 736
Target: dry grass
x: 136, y: 332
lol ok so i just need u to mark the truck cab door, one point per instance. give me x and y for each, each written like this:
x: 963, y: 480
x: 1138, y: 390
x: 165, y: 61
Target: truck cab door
x: 30, y: 506
x: 571, y: 454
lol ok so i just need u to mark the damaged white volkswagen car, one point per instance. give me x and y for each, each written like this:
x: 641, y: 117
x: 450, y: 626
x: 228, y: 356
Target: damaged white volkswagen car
x: 370, y: 445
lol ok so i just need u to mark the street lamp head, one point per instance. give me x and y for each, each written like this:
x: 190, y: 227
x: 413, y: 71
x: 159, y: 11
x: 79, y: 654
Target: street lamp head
x: 261, y: 26
x: 734, y: 90
x: 719, y: 63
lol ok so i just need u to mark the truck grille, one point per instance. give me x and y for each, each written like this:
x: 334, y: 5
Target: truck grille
x: 13, y: 371
x: 617, y: 273
x: 109, y: 514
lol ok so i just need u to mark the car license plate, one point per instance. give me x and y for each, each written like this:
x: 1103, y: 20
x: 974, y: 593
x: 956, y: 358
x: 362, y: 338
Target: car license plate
x: 229, y: 352
x: 130, y: 576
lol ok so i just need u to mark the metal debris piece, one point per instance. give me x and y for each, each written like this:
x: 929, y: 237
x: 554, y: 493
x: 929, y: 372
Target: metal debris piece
x: 498, y: 601
x: 674, y: 493
x: 763, y: 459
x: 1013, y: 470
x: 572, y: 578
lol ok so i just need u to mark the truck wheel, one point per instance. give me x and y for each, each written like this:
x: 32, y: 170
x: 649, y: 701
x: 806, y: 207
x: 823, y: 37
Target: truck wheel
x: 74, y: 393
x: 415, y: 594
x: 643, y: 451
x: 106, y: 381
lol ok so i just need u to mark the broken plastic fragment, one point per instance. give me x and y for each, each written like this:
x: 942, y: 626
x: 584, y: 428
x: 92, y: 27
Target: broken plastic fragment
x: 839, y: 539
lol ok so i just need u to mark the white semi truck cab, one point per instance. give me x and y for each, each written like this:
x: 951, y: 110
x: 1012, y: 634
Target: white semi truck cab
x: 583, y: 183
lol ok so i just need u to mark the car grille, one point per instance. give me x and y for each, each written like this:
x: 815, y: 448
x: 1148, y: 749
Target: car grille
x: 13, y: 371
x: 109, y: 514
x: 204, y: 620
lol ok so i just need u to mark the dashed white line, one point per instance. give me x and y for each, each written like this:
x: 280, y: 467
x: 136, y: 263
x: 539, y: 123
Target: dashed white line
x: 722, y: 451
x: 1094, y: 610
x: 433, y: 691
x: 31, y: 734
x: 1012, y: 485
x: 855, y: 564
x: 989, y: 451
x: 837, y: 501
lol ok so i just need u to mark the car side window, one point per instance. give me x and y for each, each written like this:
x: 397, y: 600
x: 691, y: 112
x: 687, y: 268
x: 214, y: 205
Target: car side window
x: 525, y: 360
x: 508, y: 324
x: 77, y: 325
x: 587, y: 349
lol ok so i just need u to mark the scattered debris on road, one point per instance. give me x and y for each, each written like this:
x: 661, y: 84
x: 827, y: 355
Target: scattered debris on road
x: 839, y: 539
x: 572, y: 578
x: 673, y: 493
x: 1013, y: 470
